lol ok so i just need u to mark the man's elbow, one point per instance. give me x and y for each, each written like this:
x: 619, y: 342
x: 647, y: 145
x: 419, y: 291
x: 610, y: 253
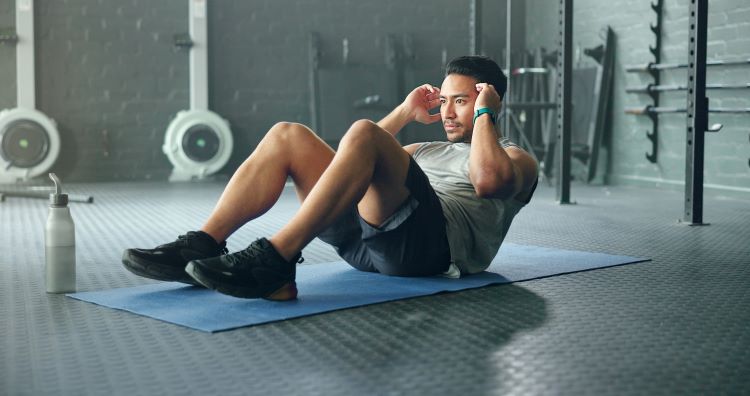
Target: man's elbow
x: 495, y: 187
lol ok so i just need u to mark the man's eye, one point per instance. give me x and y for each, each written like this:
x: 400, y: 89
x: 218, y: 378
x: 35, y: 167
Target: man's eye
x: 459, y: 101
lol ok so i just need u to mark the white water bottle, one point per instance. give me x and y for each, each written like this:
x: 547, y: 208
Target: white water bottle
x: 59, y: 243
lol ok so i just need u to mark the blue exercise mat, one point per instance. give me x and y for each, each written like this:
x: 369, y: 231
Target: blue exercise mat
x: 332, y: 286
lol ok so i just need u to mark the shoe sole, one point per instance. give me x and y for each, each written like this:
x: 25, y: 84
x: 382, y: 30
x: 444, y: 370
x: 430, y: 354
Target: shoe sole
x: 286, y: 292
x: 150, y: 270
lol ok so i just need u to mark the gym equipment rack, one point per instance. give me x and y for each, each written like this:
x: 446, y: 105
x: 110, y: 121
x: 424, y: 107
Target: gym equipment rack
x: 697, y: 108
x: 653, y: 136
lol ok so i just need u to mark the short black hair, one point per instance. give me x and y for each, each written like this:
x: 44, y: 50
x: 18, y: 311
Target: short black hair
x: 481, y: 68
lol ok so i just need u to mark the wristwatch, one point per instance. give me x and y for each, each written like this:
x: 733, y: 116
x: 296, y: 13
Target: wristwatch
x: 485, y: 110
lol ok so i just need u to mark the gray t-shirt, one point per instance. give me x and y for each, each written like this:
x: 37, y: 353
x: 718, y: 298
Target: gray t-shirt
x: 475, y: 226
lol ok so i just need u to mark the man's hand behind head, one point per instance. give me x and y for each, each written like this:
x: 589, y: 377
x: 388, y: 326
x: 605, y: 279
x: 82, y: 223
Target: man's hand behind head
x: 488, y: 97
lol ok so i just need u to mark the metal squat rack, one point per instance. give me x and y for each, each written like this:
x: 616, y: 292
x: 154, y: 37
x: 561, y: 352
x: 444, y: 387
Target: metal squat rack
x: 697, y: 108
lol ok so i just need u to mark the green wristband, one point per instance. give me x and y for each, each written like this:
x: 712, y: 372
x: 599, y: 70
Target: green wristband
x: 484, y: 110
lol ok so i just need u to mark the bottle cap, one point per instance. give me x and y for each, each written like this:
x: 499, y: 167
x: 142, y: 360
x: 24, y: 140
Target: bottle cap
x: 58, y: 198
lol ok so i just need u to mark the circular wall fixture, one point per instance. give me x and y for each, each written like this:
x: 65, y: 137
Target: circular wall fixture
x: 29, y: 144
x: 198, y: 143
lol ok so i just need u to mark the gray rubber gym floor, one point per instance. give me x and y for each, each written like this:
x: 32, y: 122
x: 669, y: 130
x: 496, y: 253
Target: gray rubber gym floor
x: 677, y: 325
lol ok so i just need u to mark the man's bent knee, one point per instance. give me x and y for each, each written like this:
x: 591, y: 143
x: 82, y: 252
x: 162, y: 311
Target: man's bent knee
x: 285, y: 127
x: 361, y: 131
x: 364, y: 126
x: 289, y: 132
x: 363, y: 123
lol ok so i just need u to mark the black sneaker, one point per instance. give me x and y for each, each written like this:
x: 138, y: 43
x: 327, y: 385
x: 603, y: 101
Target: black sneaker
x: 167, y: 262
x: 256, y: 272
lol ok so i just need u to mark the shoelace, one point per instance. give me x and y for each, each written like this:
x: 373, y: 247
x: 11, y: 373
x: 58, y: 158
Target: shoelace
x: 184, y: 241
x: 181, y: 241
x: 239, y: 258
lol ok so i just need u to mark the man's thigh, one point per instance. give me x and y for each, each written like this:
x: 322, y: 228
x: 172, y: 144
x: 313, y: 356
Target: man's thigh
x: 411, y: 242
x: 387, y: 191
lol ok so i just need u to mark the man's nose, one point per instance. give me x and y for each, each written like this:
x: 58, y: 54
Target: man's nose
x: 449, y: 111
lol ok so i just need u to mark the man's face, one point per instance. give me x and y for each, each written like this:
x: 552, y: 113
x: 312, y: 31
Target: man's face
x: 457, y: 97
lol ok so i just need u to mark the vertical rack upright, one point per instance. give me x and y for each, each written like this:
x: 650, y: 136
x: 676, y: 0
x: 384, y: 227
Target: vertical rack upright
x: 655, y: 50
x: 697, y: 112
x: 564, y: 89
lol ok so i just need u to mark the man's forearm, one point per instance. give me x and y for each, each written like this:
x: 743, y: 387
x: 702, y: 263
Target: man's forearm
x: 395, y: 121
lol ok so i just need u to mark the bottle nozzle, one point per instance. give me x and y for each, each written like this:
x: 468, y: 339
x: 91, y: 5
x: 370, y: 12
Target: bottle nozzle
x: 58, y: 183
x: 58, y: 198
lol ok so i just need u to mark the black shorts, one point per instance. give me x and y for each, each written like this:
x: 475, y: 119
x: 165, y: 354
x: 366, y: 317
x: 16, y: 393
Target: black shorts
x: 411, y: 242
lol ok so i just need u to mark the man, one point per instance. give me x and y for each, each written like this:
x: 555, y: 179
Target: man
x: 420, y: 210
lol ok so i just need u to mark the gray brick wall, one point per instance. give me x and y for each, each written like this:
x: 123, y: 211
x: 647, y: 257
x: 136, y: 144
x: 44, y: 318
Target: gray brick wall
x: 108, y: 75
x: 106, y: 72
x: 727, y: 152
